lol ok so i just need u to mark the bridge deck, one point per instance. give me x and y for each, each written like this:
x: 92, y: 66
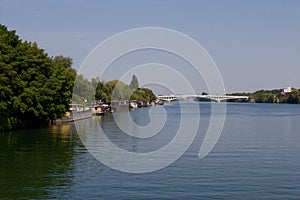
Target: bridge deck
x: 217, y: 98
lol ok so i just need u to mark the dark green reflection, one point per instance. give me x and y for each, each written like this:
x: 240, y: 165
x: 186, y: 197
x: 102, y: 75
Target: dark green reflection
x: 35, y: 163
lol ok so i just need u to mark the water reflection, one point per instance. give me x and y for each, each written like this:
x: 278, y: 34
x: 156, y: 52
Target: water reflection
x: 33, y: 163
x: 256, y: 156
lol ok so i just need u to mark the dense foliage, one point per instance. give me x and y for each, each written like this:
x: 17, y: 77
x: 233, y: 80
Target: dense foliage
x: 274, y: 96
x: 118, y: 90
x: 83, y: 90
x: 143, y: 94
x: 34, y: 88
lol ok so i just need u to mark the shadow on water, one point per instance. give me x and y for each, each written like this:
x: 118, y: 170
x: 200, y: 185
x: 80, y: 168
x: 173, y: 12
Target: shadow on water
x: 33, y: 163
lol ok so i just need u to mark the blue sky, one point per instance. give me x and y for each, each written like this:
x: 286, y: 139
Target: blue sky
x: 255, y: 44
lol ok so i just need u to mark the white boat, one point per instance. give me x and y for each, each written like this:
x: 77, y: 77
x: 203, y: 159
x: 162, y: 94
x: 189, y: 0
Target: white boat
x: 133, y: 104
x: 77, y: 112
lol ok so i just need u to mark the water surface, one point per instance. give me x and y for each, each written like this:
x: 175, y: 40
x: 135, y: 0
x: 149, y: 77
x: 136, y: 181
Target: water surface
x: 256, y: 157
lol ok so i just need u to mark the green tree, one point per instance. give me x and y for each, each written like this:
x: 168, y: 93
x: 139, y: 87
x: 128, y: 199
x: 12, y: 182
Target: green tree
x: 34, y: 88
x: 134, y: 84
x: 143, y: 94
x: 95, y: 82
x: 102, y: 92
x: 118, y: 90
x: 83, y: 90
x: 61, y: 81
x: 293, y: 97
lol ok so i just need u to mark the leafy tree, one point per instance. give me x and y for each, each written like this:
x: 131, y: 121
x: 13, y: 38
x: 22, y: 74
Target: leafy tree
x: 143, y: 94
x: 95, y: 82
x: 34, y: 88
x: 293, y: 97
x: 134, y: 84
x: 116, y: 90
x: 61, y: 81
x: 102, y: 92
x: 83, y: 90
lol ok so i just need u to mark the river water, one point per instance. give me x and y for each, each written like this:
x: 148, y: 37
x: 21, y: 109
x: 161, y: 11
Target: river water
x: 256, y: 157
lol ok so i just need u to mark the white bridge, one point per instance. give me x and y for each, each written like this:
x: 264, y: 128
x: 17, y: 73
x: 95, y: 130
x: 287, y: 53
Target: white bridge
x: 216, y: 98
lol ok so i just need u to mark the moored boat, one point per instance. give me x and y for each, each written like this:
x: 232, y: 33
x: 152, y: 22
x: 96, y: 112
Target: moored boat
x: 77, y: 112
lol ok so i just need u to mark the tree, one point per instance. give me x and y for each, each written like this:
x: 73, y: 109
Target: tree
x: 102, y: 92
x: 34, y: 88
x: 83, y: 90
x: 293, y: 97
x: 134, y: 84
x: 95, y: 81
x: 116, y: 90
x: 62, y: 82
x: 143, y: 94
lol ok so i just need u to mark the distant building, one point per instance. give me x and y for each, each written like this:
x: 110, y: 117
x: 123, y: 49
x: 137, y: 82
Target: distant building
x: 287, y: 90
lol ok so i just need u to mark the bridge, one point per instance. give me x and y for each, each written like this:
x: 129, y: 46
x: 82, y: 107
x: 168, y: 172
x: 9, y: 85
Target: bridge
x: 216, y: 98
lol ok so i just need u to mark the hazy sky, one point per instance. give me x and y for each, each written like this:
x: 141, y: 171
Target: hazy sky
x: 255, y: 44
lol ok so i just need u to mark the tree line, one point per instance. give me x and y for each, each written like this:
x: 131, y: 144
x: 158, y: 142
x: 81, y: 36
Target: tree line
x: 274, y: 96
x: 36, y: 88
x: 114, y: 90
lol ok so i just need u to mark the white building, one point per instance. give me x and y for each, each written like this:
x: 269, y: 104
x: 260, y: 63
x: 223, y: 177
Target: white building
x: 287, y: 90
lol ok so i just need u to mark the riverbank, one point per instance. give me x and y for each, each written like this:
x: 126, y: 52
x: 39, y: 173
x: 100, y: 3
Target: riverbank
x: 288, y: 95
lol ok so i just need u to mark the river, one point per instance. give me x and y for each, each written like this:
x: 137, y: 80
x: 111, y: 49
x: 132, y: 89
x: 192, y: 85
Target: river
x: 256, y: 157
